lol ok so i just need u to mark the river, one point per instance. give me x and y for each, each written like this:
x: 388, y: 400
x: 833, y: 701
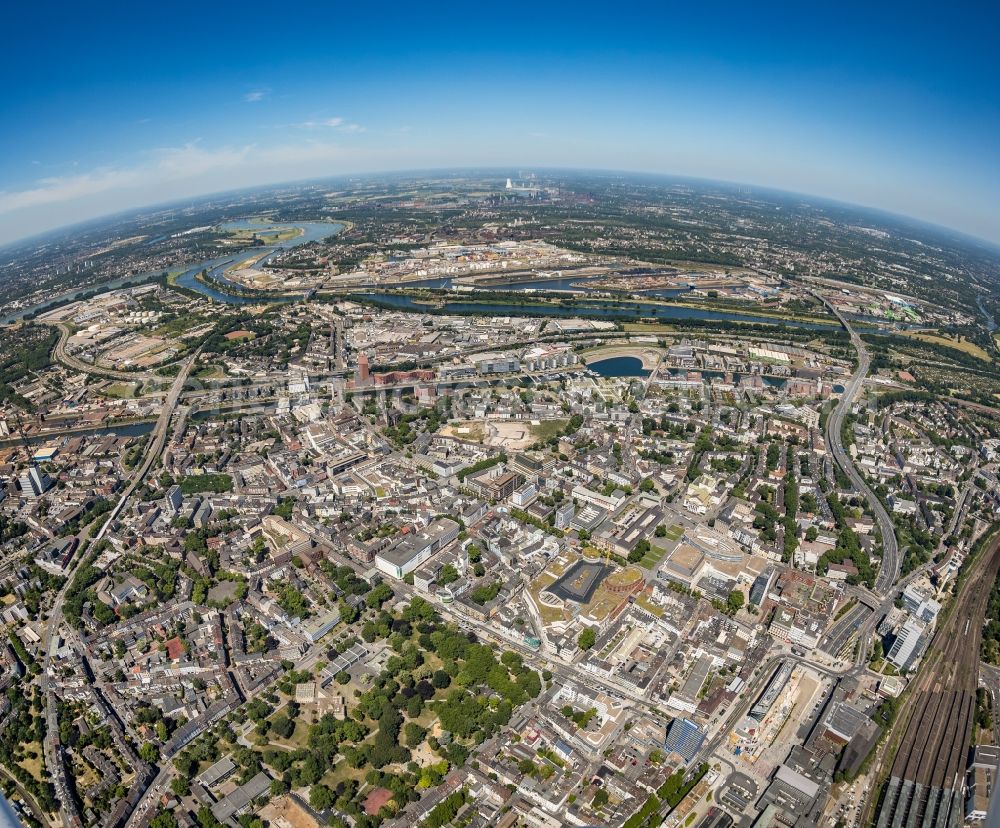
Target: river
x: 311, y: 231
x: 581, y: 308
x: 315, y: 231
x: 136, y: 429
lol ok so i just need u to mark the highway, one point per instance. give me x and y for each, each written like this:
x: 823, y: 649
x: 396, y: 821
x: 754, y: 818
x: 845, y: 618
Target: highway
x: 843, y: 630
x: 867, y: 627
x: 889, y: 570
x: 860, y: 621
x: 158, y: 438
x: 86, y: 367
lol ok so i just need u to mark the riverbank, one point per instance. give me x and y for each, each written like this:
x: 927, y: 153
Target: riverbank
x: 133, y: 427
x: 622, y: 310
x: 184, y: 277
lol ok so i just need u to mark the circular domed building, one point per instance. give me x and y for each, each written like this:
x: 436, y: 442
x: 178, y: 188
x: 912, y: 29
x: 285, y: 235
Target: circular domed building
x: 625, y: 581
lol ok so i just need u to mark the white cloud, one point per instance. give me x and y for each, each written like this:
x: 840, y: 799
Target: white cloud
x: 173, y: 173
x: 256, y: 95
x: 66, y: 188
x: 324, y: 147
x: 339, y: 124
x: 161, y: 167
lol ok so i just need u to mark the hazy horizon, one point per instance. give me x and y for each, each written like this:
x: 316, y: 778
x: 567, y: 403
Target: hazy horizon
x: 881, y: 107
x: 502, y: 173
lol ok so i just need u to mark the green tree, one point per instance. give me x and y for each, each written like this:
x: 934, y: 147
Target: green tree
x: 321, y: 797
x: 415, y: 706
x: 283, y: 727
x: 413, y: 734
x: 164, y: 819
x: 735, y: 601
x: 878, y: 651
x: 378, y: 596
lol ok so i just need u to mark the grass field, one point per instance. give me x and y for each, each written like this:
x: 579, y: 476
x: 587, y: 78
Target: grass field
x: 173, y: 274
x: 550, y: 615
x: 469, y: 430
x: 653, y: 557
x: 267, y: 233
x: 180, y: 325
x: 648, y: 328
x: 658, y: 553
x: 949, y: 342
x: 547, y: 429
x: 121, y: 390
x: 643, y: 601
x: 211, y: 372
x: 603, y: 602
x: 544, y: 580
x: 280, y: 235
x: 33, y: 764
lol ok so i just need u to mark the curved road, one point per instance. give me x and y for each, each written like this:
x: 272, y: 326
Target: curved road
x: 889, y: 570
x: 156, y: 444
x: 59, y: 352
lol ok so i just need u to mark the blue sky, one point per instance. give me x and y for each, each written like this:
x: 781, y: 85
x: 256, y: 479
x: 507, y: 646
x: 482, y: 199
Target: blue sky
x: 111, y: 106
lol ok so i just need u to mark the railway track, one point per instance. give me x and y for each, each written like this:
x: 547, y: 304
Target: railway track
x: 925, y: 786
